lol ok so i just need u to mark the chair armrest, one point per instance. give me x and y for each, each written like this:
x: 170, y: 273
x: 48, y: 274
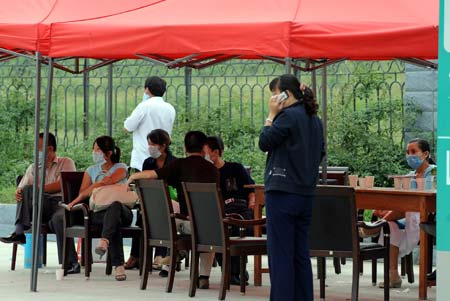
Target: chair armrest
x: 181, y: 216
x: 234, y: 216
x: 244, y: 223
x: 83, y: 207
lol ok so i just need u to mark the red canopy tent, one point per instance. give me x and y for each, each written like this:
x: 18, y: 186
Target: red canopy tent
x: 351, y: 29
x: 198, y: 33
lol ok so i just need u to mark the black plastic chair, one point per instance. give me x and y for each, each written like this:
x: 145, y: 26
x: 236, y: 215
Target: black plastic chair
x: 209, y: 228
x: 334, y: 233
x: 77, y: 223
x: 159, y: 227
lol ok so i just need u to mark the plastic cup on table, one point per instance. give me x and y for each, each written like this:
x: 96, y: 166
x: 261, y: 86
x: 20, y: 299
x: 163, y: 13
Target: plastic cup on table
x: 370, y: 181
x: 353, y: 180
x: 420, y: 182
x: 406, y: 183
x: 397, y: 183
x: 362, y: 183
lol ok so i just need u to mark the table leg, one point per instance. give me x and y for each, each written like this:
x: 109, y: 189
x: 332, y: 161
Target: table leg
x: 257, y: 262
x: 423, y: 264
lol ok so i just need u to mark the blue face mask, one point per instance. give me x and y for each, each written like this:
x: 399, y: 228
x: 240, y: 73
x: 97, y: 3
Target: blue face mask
x: 41, y: 158
x: 145, y: 97
x: 414, y: 161
x: 98, y: 158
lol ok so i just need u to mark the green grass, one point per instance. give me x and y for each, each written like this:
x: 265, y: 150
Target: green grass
x: 7, y: 195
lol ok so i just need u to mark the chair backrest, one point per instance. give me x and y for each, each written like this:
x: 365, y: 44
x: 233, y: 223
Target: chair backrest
x: 333, y: 226
x: 205, y: 207
x: 18, y: 179
x: 70, y: 185
x: 157, y: 209
x: 337, y: 173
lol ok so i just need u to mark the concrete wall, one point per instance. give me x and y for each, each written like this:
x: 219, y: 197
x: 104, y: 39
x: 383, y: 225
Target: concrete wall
x: 421, y: 95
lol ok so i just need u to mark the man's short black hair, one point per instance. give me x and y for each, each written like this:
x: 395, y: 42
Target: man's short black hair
x: 51, y: 140
x: 194, y: 141
x: 156, y: 85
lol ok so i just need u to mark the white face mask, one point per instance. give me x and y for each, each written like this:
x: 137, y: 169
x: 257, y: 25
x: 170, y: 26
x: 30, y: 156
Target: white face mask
x: 208, y: 158
x: 154, y: 151
x: 98, y: 158
x: 145, y: 97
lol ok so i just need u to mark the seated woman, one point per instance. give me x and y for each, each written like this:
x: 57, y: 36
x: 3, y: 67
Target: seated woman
x: 238, y: 200
x: 107, y: 171
x: 404, y: 226
x: 160, y: 155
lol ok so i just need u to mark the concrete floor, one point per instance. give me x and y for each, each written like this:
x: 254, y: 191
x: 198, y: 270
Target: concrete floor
x: 15, y: 285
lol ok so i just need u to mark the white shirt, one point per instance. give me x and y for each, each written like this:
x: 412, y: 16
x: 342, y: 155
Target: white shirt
x: 52, y: 173
x: 149, y: 115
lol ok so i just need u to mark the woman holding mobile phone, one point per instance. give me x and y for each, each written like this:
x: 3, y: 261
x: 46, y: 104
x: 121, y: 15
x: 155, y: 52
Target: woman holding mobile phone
x: 293, y: 139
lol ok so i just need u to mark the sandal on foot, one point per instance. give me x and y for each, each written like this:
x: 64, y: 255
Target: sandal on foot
x: 120, y: 273
x: 132, y: 263
x: 102, y: 247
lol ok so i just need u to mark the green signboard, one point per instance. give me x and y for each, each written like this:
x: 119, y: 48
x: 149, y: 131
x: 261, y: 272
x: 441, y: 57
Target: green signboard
x: 443, y: 198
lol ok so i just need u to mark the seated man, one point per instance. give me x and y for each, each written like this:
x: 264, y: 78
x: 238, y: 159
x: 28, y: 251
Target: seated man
x: 52, y: 213
x: 238, y: 200
x: 193, y: 168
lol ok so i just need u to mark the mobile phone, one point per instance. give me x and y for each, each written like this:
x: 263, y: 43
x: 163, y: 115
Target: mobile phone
x: 282, y: 97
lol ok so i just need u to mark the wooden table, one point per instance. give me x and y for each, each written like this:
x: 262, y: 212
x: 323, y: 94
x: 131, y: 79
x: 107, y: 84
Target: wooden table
x: 374, y: 198
x: 259, y: 204
x: 403, y: 200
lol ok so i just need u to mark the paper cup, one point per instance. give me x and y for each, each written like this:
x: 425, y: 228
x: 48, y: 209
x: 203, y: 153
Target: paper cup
x: 397, y: 183
x: 59, y: 274
x: 362, y: 183
x: 370, y: 181
x: 353, y: 180
x: 406, y: 183
x: 420, y: 183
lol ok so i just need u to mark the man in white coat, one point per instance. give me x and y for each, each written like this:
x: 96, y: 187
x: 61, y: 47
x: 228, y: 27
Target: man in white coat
x: 152, y: 113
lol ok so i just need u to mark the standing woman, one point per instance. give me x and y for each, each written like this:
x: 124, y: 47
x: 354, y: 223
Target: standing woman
x: 293, y: 139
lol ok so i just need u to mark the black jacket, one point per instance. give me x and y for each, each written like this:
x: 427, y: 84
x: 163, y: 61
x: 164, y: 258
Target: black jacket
x: 295, y: 146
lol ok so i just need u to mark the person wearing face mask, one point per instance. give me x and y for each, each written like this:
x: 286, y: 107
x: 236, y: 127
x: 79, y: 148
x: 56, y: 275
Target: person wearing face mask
x: 160, y: 156
x: 237, y: 199
x: 193, y: 168
x: 107, y: 171
x: 52, y: 214
x: 404, y: 226
x: 152, y: 113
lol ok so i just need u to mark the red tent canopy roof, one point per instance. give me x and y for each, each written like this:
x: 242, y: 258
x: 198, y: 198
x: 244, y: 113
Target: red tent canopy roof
x: 353, y: 29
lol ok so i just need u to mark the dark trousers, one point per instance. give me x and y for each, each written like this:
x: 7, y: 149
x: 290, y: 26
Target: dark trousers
x: 288, y: 223
x: 135, y: 243
x: 111, y: 219
x: 246, y: 214
x: 52, y: 214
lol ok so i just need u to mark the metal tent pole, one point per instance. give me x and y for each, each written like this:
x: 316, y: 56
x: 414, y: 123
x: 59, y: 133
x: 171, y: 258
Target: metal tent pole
x: 324, y: 122
x: 188, y: 85
x: 110, y: 97
x: 86, y: 100
x: 37, y: 220
x: 37, y: 119
x: 288, y: 65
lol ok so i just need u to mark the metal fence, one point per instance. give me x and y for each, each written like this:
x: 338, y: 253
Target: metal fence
x: 236, y: 91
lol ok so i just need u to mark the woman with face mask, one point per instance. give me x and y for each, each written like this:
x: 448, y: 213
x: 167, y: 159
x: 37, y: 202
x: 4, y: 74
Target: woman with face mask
x: 404, y: 226
x: 107, y: 171
x: 160, y: 155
